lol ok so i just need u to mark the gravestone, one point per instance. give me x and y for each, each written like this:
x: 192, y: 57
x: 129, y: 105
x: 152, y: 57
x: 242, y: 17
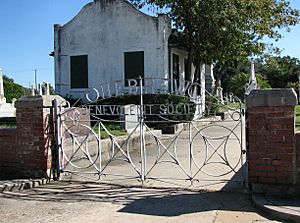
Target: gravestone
x: 252, y: 85
x: 129, y: 120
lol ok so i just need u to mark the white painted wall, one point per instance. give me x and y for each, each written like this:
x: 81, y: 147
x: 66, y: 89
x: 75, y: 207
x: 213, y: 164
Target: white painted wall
x: 104, y: 30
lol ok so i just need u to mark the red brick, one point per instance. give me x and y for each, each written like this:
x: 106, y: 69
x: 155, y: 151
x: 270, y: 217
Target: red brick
x: 284, y: 132
x: 285, y: 157
x: 262, y: 109
x: 276, y: 114
x: 281, y: 163
x: 284, y: 168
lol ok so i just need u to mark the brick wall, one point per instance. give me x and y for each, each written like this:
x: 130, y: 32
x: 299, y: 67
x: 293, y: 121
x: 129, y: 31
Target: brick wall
x: 270, y: 137
x: 8, y: 162
x: 26, y: 150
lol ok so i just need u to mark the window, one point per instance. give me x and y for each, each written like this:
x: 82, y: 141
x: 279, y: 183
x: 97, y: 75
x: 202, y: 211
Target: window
x: 79, y: 71
x: 134, y: 65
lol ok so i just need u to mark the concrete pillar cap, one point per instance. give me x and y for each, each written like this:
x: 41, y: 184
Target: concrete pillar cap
x: 39, y: 101
x: 272, y: 98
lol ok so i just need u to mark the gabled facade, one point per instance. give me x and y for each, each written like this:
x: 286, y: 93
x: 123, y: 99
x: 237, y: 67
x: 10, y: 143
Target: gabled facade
x: 110, y: 40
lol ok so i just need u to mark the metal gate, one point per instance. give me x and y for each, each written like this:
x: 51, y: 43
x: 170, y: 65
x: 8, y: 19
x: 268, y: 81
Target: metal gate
x: 202, y: 144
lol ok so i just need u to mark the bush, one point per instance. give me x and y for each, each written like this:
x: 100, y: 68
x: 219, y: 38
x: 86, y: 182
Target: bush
x: 211, y: 105
x: 156, y: 99
x: 13, y: 90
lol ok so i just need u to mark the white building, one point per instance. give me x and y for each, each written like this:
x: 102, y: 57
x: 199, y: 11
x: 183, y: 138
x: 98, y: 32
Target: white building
x: 110, y: 40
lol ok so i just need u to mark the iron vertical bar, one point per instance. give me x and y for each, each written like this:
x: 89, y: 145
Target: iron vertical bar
x: 57, y: 138
x: 190, y: 145
x: 244, y: 147
x: 141, y: 121
x: 100, y: 150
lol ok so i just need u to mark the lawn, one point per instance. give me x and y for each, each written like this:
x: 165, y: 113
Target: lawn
x: 297, y: 113
x: 5, y: 126
x: 230, y: 106
x: 113, y: 129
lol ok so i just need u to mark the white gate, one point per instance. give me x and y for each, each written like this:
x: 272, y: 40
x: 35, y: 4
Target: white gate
x: 206, y: 151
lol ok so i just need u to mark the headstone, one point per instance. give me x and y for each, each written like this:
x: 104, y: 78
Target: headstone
x: 32, y: 91
x: 252, y: 81
x: 47, y: 89
x: 40, y: 89
x: 130, y: 118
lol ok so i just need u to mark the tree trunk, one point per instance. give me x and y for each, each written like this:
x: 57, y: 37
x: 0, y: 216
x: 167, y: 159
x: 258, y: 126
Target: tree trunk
x: 218, y: 78
x: 197, y: 73
x: 189, y: 65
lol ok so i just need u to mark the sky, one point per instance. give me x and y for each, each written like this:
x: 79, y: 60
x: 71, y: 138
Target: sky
x: 27, y: 37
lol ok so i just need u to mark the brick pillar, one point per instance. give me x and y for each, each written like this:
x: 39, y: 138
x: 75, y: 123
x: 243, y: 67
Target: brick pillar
x: 297, y: 139
x: 270, y: 139
x: 34, y: 134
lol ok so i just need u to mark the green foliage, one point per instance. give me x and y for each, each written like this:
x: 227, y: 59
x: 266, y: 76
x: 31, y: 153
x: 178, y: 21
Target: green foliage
x: 8, y: 122
x: 5, y: 126
x: 295, y: 86
x: 157, y: 100
x: 297, y: 113
x: 297, y: 110
x: 13, y: 90
x: 211, y: 104
x: 226, y: 31
x: 237, y: 84
x: 231, y: 106
x: 105, y: 135
x: 113, y: 128
x: 280, y: 71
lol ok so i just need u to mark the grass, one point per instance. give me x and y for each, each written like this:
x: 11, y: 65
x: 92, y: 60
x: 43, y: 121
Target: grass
x: 5, y: 126
x: 297, y: 113
x: 230, y: 106
x: 113, y: 129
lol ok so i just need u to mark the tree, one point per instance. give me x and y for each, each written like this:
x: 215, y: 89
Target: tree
x: 237, y: 84
x: 225, y: 32
x: 13, y: 90
x: 281, y: 72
